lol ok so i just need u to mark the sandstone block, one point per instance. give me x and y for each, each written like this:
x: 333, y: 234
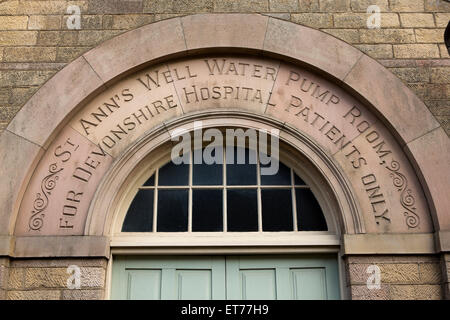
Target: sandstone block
x: 409, y: 51
x: 407, y: 5
x: 13, y: 22
x: 414, y: 20
x: 30, y: 54
x: 377, y: 51
x: 315, y: 20
x: 44, y: 22
x: 34, y: 295
x: 387, y: 36
x: 283, y: 5
x: 17, y: 38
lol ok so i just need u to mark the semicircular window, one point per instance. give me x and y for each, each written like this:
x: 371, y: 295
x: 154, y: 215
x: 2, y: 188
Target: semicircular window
x: 233, y: 196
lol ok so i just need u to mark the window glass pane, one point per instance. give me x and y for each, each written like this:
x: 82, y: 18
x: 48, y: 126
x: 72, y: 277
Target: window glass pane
x: 309, y: 214
x: 282, y: 177
x: 207, y: 174
x: 174, y: 175
x: 241, y: 173
x: 140, y: 214
x: 172, y: 210
x: 207, y: 207
x: 242, y: 210
x: 277, y: 210
x: 298, y: 181
x: 150, y: 181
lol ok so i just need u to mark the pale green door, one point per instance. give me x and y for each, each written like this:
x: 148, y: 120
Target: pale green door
x: 231, y: 277
x: 282, y: 278
x: 174, y: 278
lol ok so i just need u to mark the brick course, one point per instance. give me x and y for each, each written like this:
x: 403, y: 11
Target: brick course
x: 402, y: 277
x: 34, y: 32
x: 46, y: 279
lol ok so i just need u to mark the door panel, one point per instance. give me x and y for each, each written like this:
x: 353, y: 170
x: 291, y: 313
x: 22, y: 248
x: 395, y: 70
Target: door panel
x: 258, y: 284
x: 309, y: 284
x: 172, y: 278
x: 194, y: 284
x: 144, y: 285
x: 282, y: 277
x: 231, y: 277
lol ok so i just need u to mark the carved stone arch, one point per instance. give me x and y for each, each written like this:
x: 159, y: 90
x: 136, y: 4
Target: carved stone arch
x: 46, y: 117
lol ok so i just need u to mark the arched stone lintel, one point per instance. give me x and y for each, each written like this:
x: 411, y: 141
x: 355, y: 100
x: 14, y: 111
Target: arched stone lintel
x: 50, y: 108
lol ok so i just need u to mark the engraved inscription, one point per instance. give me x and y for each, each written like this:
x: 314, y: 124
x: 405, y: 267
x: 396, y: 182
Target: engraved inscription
x: 60, y: 192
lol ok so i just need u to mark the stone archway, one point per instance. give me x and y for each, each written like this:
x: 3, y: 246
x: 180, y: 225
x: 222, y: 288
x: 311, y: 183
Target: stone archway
x: 368, y: 118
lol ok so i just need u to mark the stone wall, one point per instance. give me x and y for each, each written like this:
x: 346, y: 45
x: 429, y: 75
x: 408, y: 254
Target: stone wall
x: 4, y: 264
x: 46, y: 279
x: 446, y: 275
x: 35, y: 41
x: 402, y: 277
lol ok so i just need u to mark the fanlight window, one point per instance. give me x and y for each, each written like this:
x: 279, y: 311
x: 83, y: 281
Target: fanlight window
x: 223, y: 198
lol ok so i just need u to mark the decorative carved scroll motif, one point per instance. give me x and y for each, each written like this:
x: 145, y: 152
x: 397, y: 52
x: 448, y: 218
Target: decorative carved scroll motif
x: 41, y: 202
x: 407, y: 200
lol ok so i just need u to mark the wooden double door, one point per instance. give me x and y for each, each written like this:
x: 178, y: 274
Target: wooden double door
x: 225, y: 277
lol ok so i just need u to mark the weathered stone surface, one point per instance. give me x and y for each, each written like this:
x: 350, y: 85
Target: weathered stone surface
x: 430, y: 165
x: 13, y: 22
x: 442, y: 19
x: 359, y: 20
x: 127, y: 21
x: 440, y: 75
x: 115, y: 6
x: 430, y: 273
x: 94, y: 37
x: 93, y: 277
x: 411, y: 74
x: 387, y: 36
x: 407, y: 5
x: 75, y: 87
x: 79, y: 294
x: 416, y: 20
x: 67, y: 54
x: 308, y: 5
x: 357, y: 273
x: 429, y: 35
x: 387, y: 95
x: 399, y: 273
x: 315, y: 20
x: 283, y: 5
x: 16, y: 279
x: 17, y: 38
x: 347, y: 35
x: 44, y: 22
x: 362, y: 5
x: 334, y: 5
x: 241, y: 6
x: 34, y: 295
x: 36, y: 278
x: 40, y: 263
x: 428, y: 292
x: 23, y: 54
x: 364, y: 293
x: 381, y: 51
x: 224, y: 31
x: 4, y: 275
x: 322, y: 51
x: 168, y: 34
x: 13, y: 171
x: 61, y: 246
